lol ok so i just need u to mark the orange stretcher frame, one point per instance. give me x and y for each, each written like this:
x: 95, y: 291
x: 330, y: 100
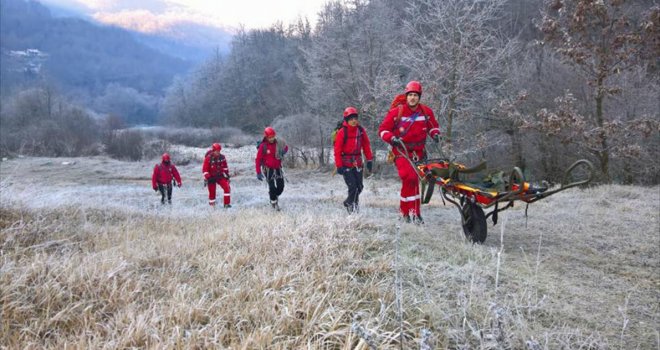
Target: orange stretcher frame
x: 471, y: 199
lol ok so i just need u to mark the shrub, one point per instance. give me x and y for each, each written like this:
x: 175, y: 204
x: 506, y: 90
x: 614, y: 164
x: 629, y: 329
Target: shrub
x: 124, y: 144
x: 196, y: 137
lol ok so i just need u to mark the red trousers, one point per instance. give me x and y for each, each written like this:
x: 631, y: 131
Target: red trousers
x: 224, y: 183
x: 410, y: 199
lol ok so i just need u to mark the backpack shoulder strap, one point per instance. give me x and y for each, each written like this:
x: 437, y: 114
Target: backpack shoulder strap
x: 359, y: 135
x: 426, y: 110
x: 398, y: 116
x: 360, y: 131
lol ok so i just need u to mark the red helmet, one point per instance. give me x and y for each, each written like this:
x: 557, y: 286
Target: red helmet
x: 414, y: 86
x: 349, y: 111
x: 269, y: 132
x: 216, y: 147
x: 166, y: 157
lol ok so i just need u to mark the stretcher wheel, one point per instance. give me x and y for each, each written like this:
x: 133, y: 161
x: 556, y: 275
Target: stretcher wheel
x: 474, y: 222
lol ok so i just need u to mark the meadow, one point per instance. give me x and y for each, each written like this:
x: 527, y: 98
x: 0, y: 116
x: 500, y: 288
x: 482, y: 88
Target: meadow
x: 91, y: 259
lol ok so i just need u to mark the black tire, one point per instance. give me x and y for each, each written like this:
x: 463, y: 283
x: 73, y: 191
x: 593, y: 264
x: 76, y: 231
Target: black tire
x: 474, y: 223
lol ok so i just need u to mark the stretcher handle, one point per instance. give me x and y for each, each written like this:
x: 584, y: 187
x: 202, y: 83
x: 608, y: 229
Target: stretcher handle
x: 569, y: 171
x: 564, y: 185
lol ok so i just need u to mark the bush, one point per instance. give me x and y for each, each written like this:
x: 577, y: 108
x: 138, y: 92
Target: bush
x: 302, y: 129
x: 196, y: 137
x: 32, y: 125
x: 155, y: 148
x: 124, y: 144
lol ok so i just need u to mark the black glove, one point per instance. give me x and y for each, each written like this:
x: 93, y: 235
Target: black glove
x: 206, y: 182
x: 341, y: 170
x: 260, y: 177
x: 370, y: 165
x: 395, y: 141
x: 156, y: 189
x: 436, y: 138
x: 179, y: 185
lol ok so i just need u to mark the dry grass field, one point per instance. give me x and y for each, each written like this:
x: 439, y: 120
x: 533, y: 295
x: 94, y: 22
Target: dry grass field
x: 90, y: 259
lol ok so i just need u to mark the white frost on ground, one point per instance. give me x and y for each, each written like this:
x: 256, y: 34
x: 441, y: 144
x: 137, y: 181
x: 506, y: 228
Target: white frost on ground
x: 101, y: 182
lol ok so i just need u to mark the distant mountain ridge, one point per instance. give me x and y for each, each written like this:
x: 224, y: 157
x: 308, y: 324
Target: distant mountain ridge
x: 188, y: 41
x: 179, y: 37
x: 80, y: 54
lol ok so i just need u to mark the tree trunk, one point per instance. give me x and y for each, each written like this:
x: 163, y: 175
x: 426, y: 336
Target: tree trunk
x: 604, y: 153
x: 322, y: 153
x: 451, y: 110
x: 516, y: 149
x: 451, y: 105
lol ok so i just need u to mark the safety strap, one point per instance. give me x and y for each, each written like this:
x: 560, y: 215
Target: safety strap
x: 398, y: 119
x: 357, y: 153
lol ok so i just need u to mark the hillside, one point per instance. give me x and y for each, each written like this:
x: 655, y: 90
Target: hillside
x: 91, y: 259
x: 79, y: 54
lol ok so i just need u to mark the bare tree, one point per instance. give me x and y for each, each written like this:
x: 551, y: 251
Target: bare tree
x: 40, y: 121
x: 456, y: 49
x: 351, y: 61
x: 602, y: 39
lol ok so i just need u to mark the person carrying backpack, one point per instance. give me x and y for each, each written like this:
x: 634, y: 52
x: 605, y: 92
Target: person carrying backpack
x: 350, y: 141
x: 405, y: 127
x: 162, y: 177
x: 269, y: 161
x: 216, y: 171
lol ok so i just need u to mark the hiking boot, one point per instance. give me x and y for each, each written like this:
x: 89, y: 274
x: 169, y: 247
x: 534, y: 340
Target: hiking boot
x: 169, y: 201
x: 212, y: 204
x: 275, y: 205
x: 406, y: 219
x: 162, y: 201
x: 227, y: 206
x: 417, y: 220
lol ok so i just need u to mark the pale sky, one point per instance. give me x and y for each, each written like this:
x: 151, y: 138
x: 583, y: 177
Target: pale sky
x: 250, y: 13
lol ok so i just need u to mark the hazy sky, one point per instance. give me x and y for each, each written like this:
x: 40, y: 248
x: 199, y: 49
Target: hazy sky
x: 251, y: 13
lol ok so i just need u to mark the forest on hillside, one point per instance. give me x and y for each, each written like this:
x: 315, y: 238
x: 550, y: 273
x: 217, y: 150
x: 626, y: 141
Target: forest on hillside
x: 532, y: 83
x: 100, y: 68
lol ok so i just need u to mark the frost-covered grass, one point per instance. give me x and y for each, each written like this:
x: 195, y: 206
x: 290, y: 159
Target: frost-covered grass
x: 90, y: 259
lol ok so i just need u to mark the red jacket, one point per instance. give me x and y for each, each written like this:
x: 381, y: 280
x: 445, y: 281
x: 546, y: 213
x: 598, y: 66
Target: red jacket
x: 215, y: 167
x: 163, y: 174
x: 348, y: 153
x: 268, y: 157
x: 412, y: 128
